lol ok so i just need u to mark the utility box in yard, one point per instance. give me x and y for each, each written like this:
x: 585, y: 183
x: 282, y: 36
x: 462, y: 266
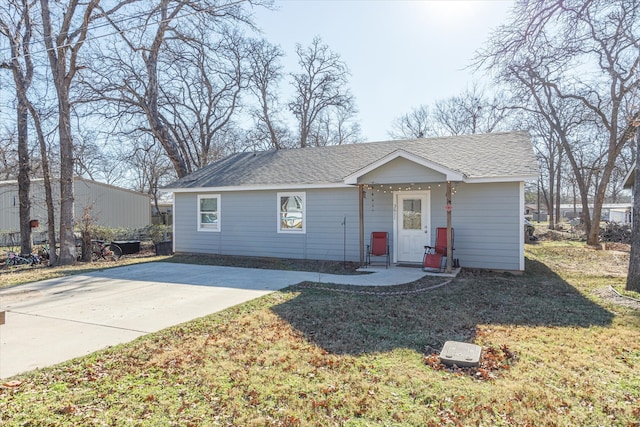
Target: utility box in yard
x: 461, y: 354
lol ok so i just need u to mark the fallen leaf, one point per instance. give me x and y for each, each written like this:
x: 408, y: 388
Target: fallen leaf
x: 13, y: 383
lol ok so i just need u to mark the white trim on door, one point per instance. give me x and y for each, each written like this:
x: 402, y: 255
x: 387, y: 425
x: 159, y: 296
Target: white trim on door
x: 425, y: 226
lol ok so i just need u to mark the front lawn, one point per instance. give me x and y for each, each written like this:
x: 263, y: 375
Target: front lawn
x: 326, y: 355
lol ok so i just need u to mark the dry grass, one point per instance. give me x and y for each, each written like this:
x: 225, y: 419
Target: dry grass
x: 310, y: 355
x: 16, y: 275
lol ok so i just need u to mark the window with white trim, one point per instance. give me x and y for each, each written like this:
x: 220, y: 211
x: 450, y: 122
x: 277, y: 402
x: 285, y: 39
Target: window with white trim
x: 209, y: 212
x: 291, y: 212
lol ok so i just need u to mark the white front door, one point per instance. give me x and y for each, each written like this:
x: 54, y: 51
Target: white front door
x: 412, y: 225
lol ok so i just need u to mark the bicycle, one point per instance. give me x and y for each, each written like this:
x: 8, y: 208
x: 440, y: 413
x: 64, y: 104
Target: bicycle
x: 108, y: 252
x: 13, y: 259
x: 43, y: 252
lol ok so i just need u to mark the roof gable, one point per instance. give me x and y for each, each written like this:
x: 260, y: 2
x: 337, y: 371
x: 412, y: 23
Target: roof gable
x: 449, y: 174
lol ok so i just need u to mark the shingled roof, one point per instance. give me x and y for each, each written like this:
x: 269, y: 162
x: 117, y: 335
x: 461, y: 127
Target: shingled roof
x: 482, y: 157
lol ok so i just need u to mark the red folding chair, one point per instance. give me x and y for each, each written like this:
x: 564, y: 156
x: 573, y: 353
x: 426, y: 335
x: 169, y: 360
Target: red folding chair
x: 435, y: 257
x: 379, y: 247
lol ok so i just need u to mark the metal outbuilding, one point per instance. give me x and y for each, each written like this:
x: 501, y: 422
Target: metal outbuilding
x: 110, y: 206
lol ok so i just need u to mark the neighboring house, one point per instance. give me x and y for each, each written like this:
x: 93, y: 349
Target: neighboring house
x: 163, y: 212
x: 110, y: 206
x: 615, y: 212
x: 323, y: 203
x: 532, y: 214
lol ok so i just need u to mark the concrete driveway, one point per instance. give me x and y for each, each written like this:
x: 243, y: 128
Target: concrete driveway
x: 55, y: 320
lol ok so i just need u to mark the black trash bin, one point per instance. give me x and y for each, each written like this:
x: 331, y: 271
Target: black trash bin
x: 128, y: 246
x: 164, y: 248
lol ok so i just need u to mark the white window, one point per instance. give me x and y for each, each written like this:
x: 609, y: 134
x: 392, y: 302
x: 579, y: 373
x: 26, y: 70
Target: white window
x: 209, y: 212
x: 291, y: 212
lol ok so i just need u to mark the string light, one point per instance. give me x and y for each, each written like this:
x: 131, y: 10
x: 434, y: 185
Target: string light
x: 391, y: 188
x: 377, y: 188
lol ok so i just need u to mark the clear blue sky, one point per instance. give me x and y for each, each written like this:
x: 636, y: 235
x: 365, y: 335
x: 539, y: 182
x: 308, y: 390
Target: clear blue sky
x: 400, y: 53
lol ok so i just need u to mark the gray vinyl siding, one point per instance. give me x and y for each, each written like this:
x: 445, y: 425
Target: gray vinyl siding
x: 402, y: 171
x: 378, y: 215
x: 487, y: 221
x: 248, y: 226
x: 438, y: 213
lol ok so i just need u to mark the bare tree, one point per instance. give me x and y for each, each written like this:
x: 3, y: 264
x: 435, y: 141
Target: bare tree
x: 265, y: 74
x: 178, y: 65
x: 18, y: 32
x: 8, y: 154
x: 470, y: 112
x: 416, y: 124
x: 584, y: 53
x: 335, y: 127
x: 199, y: 103
x: 550, y: 151
x: 319, y: 88
x: 46, y: 174
x: 63, y: 44
x: 150, y: 166
x: 549, y: 154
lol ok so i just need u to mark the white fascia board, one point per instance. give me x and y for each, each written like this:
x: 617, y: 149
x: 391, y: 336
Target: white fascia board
x: 258, y: 187
x: 488, y: 179
x: 625, y: 182
x: 451, y: 175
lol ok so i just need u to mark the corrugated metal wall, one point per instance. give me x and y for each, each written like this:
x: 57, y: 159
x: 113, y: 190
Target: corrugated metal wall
x: 111, y: 206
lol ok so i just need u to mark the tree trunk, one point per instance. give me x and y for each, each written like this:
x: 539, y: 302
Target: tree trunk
x: 18, y: 31
x: 24, y: 182
x: 593, y: 237
x: 67, y: 237
x: 62, y: 51
x: 633, y: 275
x: 550, y: 198
x: 48, y: 193
x: 558, y: 187
x: 151, y: 96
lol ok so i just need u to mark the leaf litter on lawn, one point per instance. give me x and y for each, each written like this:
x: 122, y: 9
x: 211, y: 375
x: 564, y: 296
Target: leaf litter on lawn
x: 305, y: 356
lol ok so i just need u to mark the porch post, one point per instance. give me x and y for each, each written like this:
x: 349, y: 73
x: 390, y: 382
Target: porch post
x: 449, y: 246
x: 361, y: 221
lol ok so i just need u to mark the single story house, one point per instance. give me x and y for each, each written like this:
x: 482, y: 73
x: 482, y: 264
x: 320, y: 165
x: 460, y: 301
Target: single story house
x: 615, y: 212
x: 323, y: 203
x: 110, y: 206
